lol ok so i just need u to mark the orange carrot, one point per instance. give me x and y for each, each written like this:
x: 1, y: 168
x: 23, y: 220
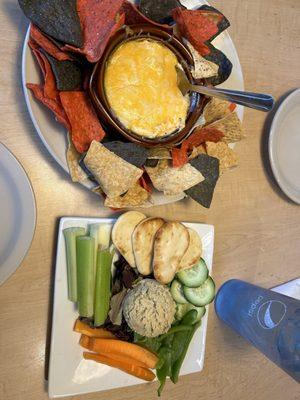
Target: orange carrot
x: 85, y: 329
x: 85, y: 342
x: 115, y: 347
x: 132, y: 369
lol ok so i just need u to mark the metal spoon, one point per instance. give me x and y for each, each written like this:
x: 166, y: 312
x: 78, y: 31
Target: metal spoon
x: 258, y: 101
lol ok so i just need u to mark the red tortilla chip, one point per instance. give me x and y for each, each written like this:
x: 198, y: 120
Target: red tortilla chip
x: 198, y: 137
x: 196, y: 27
x: 179, y: 157
x: 42, y: 41
x: 145, y: 182
x: 38, y: 92
x: 99, y: 21
x: 85, y: 126
x: 232, y: 107
x: 36, y: 52
x: 133, y: 16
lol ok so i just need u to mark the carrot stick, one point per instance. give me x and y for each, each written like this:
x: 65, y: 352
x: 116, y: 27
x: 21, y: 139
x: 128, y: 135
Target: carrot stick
x: 132, y: 369
x: 85, y: 342
x: 115, y: 347
x: 85, y: 329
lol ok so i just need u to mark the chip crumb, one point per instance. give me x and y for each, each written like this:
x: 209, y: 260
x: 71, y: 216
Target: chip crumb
x: 227, y: 157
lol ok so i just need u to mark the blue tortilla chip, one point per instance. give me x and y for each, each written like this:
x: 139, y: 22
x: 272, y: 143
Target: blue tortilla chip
x: 68, y: 74
x: 225, y: 65
x: 130, y: 152
x: 209, y: 168
x: 56, y: 18
x: 159, y: 11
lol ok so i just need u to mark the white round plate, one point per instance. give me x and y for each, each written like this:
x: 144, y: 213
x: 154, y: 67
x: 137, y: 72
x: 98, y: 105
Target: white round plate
x: 53, y: 134
x: 17, y: 214
x: 284, y: 146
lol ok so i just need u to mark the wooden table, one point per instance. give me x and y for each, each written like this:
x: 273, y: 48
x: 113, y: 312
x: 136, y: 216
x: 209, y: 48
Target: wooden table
x: 257, y: 228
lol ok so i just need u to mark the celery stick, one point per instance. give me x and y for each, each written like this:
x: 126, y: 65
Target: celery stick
x: 102, y: 286
x: 70, y: 235
x: 85, y: 275
x: 101, y: 234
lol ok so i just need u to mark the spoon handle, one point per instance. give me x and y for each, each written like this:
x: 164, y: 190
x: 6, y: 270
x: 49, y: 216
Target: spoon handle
x: 258, y: 101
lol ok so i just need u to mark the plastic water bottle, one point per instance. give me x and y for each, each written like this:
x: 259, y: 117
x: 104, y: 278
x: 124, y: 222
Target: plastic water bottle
x: 268, y: 320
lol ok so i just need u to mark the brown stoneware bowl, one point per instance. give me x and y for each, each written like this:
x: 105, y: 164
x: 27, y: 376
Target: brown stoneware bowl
x: 97, y: 91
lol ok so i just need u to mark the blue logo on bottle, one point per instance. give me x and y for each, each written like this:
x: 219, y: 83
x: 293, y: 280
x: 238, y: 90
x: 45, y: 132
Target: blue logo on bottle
x: 271, y: 313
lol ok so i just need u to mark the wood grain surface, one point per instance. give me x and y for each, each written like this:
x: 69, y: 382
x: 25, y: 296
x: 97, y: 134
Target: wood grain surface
x: 257, y: 228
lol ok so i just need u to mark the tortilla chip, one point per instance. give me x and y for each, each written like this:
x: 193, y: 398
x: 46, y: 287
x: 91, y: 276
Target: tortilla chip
x: 216, y: 109
x: 136, y: 196
x: 85, y: 126
x: 133, y: 17
x: 158, y: 11
x: 38, y: 92
x: 56, y: 18
x: 179, y: 157
x: 50, y: 89
x: 114, y: 175
x: 99, y: 20
x: 195, y: 27
x: 132, y: 153
x: 201, y: 135
x: 226, y: 156
x: 159, y: 153
x: 97, y: 190
x: 46, y: 44
x: 203, y: 68
x: 231, y: 126
x: 203, y: 191
x: 36, y: 52
x: 76, y: 172
x: 173, y: 180
x: 68, y: 74
x: 196, y: 151
x: 225, y: 66
x: 222, y: 23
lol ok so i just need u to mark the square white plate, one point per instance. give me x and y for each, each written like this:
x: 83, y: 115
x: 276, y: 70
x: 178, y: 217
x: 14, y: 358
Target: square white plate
x: 69, y: 373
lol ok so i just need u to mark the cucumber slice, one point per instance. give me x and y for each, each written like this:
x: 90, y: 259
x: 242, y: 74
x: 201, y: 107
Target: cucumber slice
x: 195, y: 276
x: 202, y: 295
x: 177, y: 292
x: 182, y: 309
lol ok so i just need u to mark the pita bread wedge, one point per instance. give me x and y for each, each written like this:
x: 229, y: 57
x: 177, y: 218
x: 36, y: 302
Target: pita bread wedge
x: 203, y: 68
x: 122, y: 232
x: 173, y: 180
x: 114, y: 175
x: 136, y: 196
x: 193, y: 253
x: 170, y: 244
x: 231, y: 126
x: 143, y: 241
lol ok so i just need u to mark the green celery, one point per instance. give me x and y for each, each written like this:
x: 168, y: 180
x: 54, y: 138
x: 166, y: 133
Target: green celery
x: 85, y: 275
x: 70, y: 235
x: 102, y: 286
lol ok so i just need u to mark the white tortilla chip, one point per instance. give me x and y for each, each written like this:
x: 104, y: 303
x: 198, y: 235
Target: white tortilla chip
x: 76, y: 172
x: 215, y: 110
x: 231, y: 126
x: 159, y: 153
x: 203, y: 68
x: 227, y: 157
x: 134, y: 197
x: 114, y: 175
x: 171, y: 180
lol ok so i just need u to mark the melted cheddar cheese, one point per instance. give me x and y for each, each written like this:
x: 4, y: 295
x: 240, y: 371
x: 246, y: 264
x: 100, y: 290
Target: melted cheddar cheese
x: 141, y: 87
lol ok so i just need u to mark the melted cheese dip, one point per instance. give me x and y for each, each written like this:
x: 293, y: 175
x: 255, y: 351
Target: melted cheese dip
x: 141, y: 88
